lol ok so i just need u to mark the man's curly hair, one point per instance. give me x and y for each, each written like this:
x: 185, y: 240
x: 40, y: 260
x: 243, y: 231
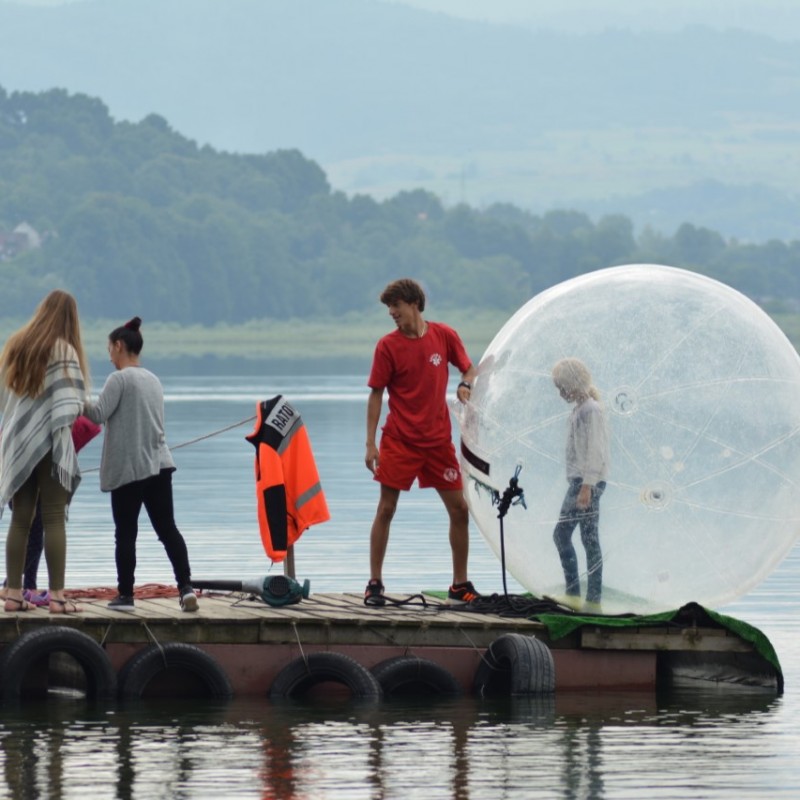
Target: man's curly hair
x: 405, y: 289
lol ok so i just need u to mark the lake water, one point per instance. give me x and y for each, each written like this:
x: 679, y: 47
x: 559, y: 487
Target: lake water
x: 711, y: 744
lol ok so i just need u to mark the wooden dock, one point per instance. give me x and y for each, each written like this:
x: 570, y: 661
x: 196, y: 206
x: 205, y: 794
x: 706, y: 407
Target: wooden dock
x: 252, y: 642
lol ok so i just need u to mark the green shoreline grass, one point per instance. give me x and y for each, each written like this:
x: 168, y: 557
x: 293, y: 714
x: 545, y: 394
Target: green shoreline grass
x: 349, y: 338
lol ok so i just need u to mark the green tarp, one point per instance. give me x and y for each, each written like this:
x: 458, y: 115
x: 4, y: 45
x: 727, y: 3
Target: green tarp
x: 562, y: 624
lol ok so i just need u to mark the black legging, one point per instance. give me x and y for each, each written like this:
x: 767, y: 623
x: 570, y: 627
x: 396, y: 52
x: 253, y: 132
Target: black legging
x: 587, y: 518
x: 33, y: 554
x: 126, y: 502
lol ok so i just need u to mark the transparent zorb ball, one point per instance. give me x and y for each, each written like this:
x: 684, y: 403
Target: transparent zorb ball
x: 701, y: 394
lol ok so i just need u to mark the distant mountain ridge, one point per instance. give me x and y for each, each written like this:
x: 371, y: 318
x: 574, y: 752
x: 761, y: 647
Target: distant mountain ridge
x: 383, y: 76
x: 388, y: 97
x: 776, y: 18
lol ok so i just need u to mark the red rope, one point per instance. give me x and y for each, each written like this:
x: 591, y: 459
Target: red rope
x: 148, y: 591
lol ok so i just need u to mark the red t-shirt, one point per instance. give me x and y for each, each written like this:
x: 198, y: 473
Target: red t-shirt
x: 415, y: 373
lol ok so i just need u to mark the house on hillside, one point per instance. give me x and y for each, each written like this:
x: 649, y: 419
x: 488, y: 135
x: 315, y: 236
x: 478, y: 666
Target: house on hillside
x: 23, y: 237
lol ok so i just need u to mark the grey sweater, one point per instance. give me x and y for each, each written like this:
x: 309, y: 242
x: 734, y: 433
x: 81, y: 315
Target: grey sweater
x: 587, y: 443
x: 131, y: 406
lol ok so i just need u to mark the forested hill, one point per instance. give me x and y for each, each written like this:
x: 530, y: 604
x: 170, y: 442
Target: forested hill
x: 136, y: 218
x: 695, y: 123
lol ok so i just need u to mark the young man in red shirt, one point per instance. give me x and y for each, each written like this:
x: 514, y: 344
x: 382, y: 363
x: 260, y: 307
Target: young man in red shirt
x: 412, y: 364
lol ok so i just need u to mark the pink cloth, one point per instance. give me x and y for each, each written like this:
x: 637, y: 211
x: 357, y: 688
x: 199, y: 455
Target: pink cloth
x: 83, y: 431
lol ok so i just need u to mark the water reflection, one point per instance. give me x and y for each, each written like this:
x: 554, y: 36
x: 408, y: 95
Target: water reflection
x: 717, y: 744
x: 568, y: 745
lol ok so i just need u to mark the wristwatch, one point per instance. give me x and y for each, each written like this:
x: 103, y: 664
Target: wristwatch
x: 465, y: 385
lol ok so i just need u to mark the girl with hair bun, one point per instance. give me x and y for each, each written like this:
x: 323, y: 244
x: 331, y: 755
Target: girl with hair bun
x: 136, y: 465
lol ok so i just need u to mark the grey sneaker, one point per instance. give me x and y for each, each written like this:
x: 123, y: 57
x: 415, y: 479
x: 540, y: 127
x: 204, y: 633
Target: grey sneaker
x: 188, y: 599
x: 121, y: 602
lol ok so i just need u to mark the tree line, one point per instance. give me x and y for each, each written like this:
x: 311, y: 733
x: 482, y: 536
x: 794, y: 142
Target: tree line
x: 137, y: 219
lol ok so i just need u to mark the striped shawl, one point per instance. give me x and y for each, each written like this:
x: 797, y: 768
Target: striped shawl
x: 32, y: 426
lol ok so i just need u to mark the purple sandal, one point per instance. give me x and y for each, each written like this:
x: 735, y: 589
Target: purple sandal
x: 37, y: 598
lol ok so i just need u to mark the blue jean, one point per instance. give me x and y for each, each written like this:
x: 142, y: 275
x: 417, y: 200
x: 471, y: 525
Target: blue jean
x: 588, y: 519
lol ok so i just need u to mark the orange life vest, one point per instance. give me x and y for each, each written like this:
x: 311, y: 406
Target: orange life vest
x: 289, y: 495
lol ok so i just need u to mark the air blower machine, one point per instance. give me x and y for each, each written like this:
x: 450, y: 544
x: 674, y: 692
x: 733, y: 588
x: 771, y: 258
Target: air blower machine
x: 274, y: 590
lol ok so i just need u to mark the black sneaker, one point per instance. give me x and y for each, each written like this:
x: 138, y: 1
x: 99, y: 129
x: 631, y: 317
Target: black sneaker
x: 188, y: 599
x: 459, y: 594
x: 373, y: 594
x: 122, y: 602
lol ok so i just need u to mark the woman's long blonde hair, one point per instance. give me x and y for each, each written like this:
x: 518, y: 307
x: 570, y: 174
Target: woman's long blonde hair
x: 572, y: 375
x: 28, y: 351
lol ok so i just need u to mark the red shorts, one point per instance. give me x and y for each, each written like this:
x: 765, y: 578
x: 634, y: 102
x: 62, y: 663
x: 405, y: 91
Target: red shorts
x: 433, y: 467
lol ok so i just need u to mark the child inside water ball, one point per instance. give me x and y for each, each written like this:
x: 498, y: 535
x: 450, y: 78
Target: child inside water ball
x: 587, y: 461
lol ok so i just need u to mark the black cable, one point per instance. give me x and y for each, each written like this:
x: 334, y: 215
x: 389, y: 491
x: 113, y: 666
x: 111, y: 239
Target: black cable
x: 503, y: 558
x: 515, y: 605
x: 383, y: 600
x: 513, y: 495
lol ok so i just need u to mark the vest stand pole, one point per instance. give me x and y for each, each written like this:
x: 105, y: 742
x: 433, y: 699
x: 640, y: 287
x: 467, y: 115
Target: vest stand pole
x: 288, y: 562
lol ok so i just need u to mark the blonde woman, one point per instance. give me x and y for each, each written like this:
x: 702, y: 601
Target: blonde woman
x: 43, y: 372
x: 587, y: 469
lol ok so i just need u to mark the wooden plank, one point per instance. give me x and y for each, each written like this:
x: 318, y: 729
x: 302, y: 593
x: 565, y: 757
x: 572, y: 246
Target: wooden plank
x: 247, y: 634
x: 693, y: 639
x: 341, y: 601
x: 234, y: 604
x: 333, y: 619
x: 98, y: 609
x: 328, y: 618
x: 332, y: 636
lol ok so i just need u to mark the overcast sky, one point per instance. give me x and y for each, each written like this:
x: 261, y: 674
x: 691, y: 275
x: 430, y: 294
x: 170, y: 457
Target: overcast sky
x: 779, y: 18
